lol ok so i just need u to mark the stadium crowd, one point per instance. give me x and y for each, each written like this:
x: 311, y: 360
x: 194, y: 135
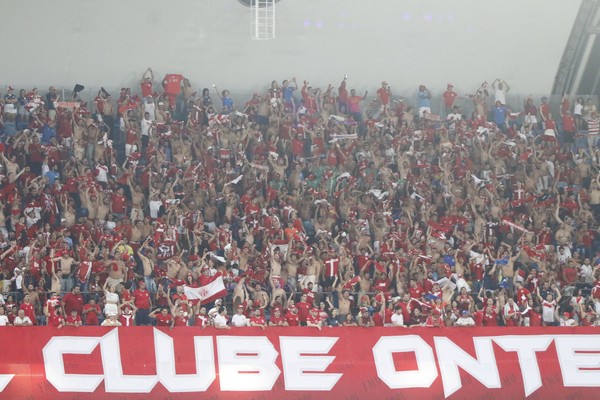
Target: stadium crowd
x: 304, y: 206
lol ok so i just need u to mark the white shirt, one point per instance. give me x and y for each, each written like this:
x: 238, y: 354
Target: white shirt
x: 239, y: 320
x: 586, y: 273
x: 19, y: 282
x: 102, y: 173
x: 548, y: 311
x: 154, y: 207
x: 397, y: 319
x: 454, y: 117
x: 500, y: 95
x: 22, y: 321
x: 220, y: 320
x: 565, y: 256
x: 465, y: 321
x: 146, y: 125
x: 149, y: 108
x: 4, y: 320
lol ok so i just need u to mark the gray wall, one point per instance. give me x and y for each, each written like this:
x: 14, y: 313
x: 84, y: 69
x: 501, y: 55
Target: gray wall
x: 405, y: 42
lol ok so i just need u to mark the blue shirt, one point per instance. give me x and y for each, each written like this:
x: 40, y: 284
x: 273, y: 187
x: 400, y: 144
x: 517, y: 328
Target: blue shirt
x: 52, y: 176
x: 47, y: 134
x: 500, y: 113
x: 424, y: 99
x: 227, y: 104
x: 288, y: 93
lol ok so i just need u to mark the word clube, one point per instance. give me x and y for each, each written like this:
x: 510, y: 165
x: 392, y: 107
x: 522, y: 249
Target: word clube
x: 248, y: 363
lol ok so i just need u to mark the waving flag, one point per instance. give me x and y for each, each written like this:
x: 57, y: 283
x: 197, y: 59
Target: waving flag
x: 208, y: 293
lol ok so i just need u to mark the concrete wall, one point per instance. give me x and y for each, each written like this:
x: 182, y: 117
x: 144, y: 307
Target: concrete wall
x: 405, y: 42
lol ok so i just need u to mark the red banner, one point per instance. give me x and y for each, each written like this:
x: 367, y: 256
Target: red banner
x: 299, y: 363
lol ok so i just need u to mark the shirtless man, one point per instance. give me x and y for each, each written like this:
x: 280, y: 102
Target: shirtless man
x: 148, y: 265
x: 210, y: 216
x: 117, y: 270
x: 312, y: 271
x: 344, y: 301
x: 66, y: 264
x: 240, y: 294
x: 258, y: 294
x: 275, y: 262
x: 137, y: 233
x: 137, y: 201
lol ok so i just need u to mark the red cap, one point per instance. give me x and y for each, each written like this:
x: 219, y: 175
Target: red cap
x: 141, y: 282
x: 314, y: 309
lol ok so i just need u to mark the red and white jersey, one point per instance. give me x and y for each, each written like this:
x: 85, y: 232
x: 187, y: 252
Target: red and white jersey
x: 126, y: 319
x: 166, y: 250
x: 83, y: 273
x: 332, y: 267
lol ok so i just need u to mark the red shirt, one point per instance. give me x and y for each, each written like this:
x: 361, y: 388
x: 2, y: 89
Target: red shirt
x: 55, y: 320
x: 126, y: 319
x: 172, y: 84
x: 568, y: 123
x: 292, y: 319
x: 535, y: 319
x: 164, y: 320
x: 181, y: 321
x: 490, y: 319
x: 449, y: 97
x: 314, y: 319
x: 142, y: 299
x: 146, y: 87
x: 73, y: 320
x: 276, y: 320
x: 303, y: 308
x: 384, y: 96
x: 91, y: 317
x: 73, y: 302
x: 29, y: 311
x: 119, y: 204
x: 258, y: 320
x: 201, y: 321
x: 416, y: 292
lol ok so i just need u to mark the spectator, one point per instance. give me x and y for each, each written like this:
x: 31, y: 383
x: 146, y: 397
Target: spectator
x: 220, y: 321
x: 91, y: 313
x: 111, y: 320
x: 143, y: 303
x: 417, y: 213
x: 398, y: 318
x: 4, y: 321
x: 465, y: 320
x: 21, y: 319
x: 73, y: 301
x: 162, y: 317
x: 73, y: 319
x: 240, y: 319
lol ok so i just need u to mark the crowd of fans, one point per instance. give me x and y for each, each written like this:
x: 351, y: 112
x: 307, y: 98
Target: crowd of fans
x: 315, y: 207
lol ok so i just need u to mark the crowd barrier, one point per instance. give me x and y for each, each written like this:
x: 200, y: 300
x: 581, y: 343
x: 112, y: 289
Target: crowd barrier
x: 299, y: 363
